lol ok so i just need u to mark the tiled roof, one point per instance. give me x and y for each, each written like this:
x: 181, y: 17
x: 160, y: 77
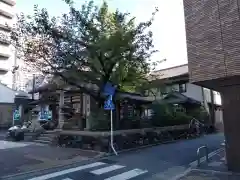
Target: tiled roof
x: 171, y: 72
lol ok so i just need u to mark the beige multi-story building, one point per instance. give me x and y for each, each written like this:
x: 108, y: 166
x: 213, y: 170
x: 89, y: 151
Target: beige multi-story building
x: 7, y: 52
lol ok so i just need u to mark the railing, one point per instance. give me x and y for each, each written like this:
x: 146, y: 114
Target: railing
x: 198, y: 154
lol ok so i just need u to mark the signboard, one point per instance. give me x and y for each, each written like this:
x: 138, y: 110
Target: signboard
x: 49, y: 114
x: 16, y: 115
x: 45, y: 115
x: 108, y: 104
x: 109, y: 90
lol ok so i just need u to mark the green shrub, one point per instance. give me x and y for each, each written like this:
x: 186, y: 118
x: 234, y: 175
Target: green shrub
x: 99, y: 120
x: 200, y: 114
x: 164, y: 115
x: 181, y: 118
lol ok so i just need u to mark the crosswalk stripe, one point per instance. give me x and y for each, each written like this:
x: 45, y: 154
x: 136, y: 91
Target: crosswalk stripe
x: 106, y: 169
x: 128, y: 175
x: 66, y: 171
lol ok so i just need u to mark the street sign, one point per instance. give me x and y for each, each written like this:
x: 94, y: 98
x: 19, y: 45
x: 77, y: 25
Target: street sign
x: 49, y: 115
x: 108, y: 104
x: 16, y: 115
x: 45, y: 115
x: 109, y: 89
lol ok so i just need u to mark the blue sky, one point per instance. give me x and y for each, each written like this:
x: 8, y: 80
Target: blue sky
x: 168, y: 27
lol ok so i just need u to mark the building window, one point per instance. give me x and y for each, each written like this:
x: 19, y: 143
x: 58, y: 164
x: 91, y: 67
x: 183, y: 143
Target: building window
x: 179, y: 108
x: 166, y: 89
x: 182, y: 88
x: 76, y: 106
x: 153, y: 92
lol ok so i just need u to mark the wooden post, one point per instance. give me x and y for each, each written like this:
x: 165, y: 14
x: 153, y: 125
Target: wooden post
x: 60, y: 112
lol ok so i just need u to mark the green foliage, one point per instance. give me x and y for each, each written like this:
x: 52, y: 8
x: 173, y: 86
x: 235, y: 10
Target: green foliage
x: 165, y: 115
x: 99, y: 120
x: 162, y: 114
x: 200, y: 113
x: 181, y: 118
x: 87, y: 45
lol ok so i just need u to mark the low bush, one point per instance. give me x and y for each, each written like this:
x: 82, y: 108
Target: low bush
x: 99, y: 120
x: 122, y: 141
x: 200, y: 114
x: 164, y: 115
x: 181, y: 118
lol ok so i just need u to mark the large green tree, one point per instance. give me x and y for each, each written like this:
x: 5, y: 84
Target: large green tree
x: 92, y: 45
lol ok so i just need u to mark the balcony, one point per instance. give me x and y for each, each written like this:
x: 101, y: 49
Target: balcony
x: 4, y: 56
x: 6, y: 10
x: 5, y: 51
x: 10, y: 2
x: 4, y: 67
x: 5, y: 24
x: 3, y: 71
x: 4, y: 38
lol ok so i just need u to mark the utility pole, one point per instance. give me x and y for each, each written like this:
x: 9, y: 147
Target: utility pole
x: 212, y: 107
x: 33, y: 86
x: 15, y: 68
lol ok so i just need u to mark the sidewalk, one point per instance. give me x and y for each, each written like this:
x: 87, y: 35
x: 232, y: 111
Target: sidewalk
x: 214, y: 170
x: 24, y: 157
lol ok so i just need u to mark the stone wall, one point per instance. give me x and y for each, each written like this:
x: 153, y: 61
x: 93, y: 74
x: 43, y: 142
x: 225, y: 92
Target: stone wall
x: 6, y: 115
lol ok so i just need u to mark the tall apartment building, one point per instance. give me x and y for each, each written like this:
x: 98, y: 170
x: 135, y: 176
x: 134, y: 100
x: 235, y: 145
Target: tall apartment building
x: 213, y: 45
x: 7, y: 52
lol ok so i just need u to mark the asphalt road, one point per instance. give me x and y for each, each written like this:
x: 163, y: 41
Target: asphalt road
x: 159, y: 162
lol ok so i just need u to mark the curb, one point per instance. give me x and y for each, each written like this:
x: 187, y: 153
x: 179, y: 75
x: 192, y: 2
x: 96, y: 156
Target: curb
x: 144, y: 147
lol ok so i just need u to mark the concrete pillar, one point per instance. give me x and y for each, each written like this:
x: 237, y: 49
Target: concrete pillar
x: 231, y: 119
x: 60, y: 112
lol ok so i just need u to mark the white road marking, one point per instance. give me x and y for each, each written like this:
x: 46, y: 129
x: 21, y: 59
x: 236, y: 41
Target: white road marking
x: 67, y: 179
x: 67, y: 171
x: 8, y: 144
x: 107, y: 169
x: 128, y: 175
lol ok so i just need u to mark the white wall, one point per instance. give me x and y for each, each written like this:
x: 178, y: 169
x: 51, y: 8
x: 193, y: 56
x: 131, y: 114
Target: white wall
x: 7, y: 95
x: 194, y: 92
